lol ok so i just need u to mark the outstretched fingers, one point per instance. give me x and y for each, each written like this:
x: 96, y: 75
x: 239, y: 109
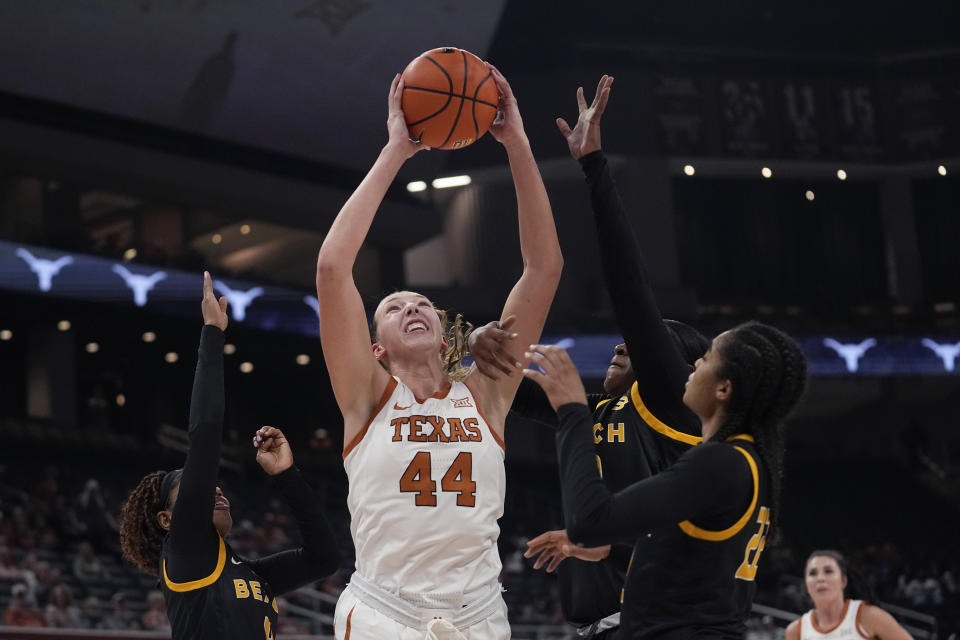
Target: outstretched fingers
x: 557, y: 375
x: 207, y: 284
x: 506, y: 93
x: 548, y: 548
x: 602, y: 95
x: 548, y: 357
x: 537, y: 356
x: 396, y: 94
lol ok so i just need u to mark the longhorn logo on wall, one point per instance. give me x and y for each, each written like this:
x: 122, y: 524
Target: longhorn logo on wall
x: 45, y: 269
x: 239, y: 300
x: 851, y: 353
x: 140, y: 284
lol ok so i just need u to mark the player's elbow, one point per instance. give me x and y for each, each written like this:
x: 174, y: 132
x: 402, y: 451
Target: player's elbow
x: 581, y: 528
x: 551, y: 258
x: 330, y: 267
x: 577, y: 532
x: 554, y: 264
x: 546, y: 269
x: 590, y: 525
x: 325, y: 563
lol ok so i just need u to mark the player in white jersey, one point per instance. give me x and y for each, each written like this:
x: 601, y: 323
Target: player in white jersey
x: 835, y: 617
x: 423, y: 438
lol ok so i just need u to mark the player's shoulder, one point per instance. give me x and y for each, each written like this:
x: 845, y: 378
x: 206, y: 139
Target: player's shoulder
x: 723, y: 457
x: 600, y: 402
x: 793, y: 630
x: 872, y: 618
x: 715, y: 450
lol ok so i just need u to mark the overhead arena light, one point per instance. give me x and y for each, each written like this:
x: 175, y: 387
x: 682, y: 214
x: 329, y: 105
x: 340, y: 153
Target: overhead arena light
x: 452, y: 181
x: 942, y: 170
x: 689, y: 170
x: 417, y: 185
x: 766, y: 172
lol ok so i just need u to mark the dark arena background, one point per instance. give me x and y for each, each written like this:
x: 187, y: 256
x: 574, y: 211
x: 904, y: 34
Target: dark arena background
x: 794, y: 162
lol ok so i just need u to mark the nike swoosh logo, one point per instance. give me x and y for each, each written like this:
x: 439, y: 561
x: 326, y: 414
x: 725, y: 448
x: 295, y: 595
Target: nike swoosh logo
x: 234, y: 560
x: 397, y: 407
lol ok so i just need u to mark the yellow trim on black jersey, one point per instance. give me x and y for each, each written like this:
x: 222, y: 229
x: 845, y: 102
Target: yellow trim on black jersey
x: 655, y: 424
x: 180, y: 587
x: 601, y: 403
x: 694, y: 531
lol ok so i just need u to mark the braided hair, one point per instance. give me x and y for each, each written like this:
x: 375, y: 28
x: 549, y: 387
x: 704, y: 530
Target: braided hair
x: 768, y: 372
x: 141, y: 536
x: 689, y: 342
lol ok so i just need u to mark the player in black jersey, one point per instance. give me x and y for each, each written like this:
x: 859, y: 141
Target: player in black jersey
x: 640, y: 426
x: 211, y: 593
x: 703, y: 523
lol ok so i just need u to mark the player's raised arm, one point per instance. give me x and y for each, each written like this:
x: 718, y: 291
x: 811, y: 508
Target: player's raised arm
x: 318, y: 555
x: 190, y: 531
x: 661, y: 369
x: 356, y: 377
x: 533, y: 293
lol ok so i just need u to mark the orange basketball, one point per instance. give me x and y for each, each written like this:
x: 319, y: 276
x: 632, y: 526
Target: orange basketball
x: 449, y: 98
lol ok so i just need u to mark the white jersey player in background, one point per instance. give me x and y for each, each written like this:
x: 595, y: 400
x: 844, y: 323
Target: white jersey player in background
x: 423, y: 452
x: 833, y: 616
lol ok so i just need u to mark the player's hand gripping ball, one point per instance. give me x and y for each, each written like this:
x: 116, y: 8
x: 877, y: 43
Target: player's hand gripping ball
x: 449, y: 98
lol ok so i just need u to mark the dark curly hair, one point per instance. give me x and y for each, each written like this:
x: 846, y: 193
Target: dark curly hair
x: 141, y: 536
x: 768, y: 372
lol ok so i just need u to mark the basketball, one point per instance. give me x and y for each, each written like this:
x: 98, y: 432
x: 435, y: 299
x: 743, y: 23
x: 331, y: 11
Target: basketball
x: 449, y: 98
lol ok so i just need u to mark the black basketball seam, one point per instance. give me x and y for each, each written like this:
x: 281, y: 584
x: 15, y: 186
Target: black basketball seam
x: 476, y: 127
x: 455, y: 95
x: 460, y: 108
x: 449, y: 94
x: 444, y: 71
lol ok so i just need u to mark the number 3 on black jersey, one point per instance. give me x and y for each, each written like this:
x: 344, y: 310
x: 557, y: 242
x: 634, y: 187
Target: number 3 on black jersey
x: 748, y: 568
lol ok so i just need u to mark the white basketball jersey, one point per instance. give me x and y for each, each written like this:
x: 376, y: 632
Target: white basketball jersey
x: 848, y: 629
x: 427, y: 487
